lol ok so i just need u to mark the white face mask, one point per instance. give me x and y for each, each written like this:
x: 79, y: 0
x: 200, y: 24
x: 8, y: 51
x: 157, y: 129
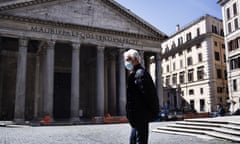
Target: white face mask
x: 129, y: 65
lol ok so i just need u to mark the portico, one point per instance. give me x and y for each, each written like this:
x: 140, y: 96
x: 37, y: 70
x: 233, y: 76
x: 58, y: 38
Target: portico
x: 58, y: 67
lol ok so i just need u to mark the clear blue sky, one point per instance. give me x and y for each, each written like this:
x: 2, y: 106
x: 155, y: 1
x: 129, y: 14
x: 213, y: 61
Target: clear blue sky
x: 165, y: 14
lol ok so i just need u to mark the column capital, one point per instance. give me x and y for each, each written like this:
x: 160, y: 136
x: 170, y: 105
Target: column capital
x: 49, y: 44
x: 100, y: 47
x: 23, y: 42
x: 76, y: 46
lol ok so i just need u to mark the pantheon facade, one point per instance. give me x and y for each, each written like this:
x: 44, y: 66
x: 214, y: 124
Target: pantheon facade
x: 65, y: 58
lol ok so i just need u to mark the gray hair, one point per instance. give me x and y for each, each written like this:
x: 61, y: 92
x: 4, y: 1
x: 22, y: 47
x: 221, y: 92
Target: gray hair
x: 133, y: 54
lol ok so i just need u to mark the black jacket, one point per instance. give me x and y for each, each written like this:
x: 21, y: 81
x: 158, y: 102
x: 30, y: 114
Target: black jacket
x: 142, y: 101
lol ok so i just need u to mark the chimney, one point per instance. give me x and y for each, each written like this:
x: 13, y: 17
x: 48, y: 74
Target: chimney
x: 177, y: 27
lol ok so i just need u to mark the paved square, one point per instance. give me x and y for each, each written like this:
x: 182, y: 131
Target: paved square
x: 91, y: 134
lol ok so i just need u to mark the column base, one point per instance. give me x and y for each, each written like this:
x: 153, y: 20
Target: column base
x: 19, y: 121
x: 75, y: 120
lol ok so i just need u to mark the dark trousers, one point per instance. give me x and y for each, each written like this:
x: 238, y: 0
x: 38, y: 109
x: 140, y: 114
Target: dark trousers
x: 139, y: 134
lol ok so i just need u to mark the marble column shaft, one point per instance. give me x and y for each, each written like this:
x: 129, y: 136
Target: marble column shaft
x: 122, y: 84
x: 49, y: 78
x: 75, y: 92
x: 100, y: 82
x: 159, y: 78
x: 20, y: 96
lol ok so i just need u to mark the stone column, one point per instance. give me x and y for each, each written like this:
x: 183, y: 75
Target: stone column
x: 49, y: 79
x: 100, y: 81
x: 122, y: 84
x: 36, y: 99
x: 75, y: 92
x: 142, y: 58
x: 159, y: 78
x: 112, y: 101
x: 1, y: 76
x: 21, y: 82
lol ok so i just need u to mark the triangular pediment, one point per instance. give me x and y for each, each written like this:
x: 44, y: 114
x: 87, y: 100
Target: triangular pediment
x: 92, y: 13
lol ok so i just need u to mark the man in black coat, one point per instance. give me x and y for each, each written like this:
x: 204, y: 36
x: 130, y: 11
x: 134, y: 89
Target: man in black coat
x: 142, y: 101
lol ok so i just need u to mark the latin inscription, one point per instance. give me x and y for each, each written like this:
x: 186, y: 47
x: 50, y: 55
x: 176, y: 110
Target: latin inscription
x: 83, y: 35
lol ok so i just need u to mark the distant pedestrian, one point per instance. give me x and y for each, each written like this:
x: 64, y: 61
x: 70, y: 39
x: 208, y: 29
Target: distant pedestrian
x: 142, y: 101
x: 220, y: 110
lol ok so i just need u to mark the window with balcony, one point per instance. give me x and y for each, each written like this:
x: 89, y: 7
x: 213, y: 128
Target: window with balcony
x: 189, y: 36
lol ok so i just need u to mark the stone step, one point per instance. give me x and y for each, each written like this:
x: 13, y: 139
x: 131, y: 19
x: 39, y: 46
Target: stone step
x: 201, y: 132
x: 221, y: 130
x: 199, y: 124
x: 183, y: 133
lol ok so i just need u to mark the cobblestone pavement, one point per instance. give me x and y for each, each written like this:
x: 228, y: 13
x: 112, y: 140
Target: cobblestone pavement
x: 91, y: 134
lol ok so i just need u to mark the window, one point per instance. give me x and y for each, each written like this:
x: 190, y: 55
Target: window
x: 190, y: 75
x: 215, y: 44
x: 181, y: 77
x: 167, y: 68
x: 191, y: 92
x: 189, y: 49
x: 174, y: 66
x: 229, y: 28
x: 228, y: 13
x: 173, y: 45
x: 217, y: 56
x: 223, y: 46
x: 236, y: 23
x: 189, y: 61
x: 166, y: 49
x: 224, y: 56
x: 234, y: 85
x: 192, y: 105
x: 181, y: 64
x: 235, y: 63
x: 234, y: 44
x: 219, y: 73
x: 201, y: 90
x: 200, y: 57
x: 202, y: 105
x: 234, y: 9
x: 198, y: 45
x: 225, y: 74
x: 182, y: 93
x: 180, y: 53
x: 174, y: 79
x: 180, y: 41
x: 222, y: 32
x: 200, y: 73
x: 167, y: 80
x: 189, y: 36
x: 219, y: 90
x: 214, y: 29
x: 198, y: 32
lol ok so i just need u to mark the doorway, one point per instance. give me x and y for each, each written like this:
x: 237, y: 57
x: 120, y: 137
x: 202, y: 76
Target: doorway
x: 62, y: 95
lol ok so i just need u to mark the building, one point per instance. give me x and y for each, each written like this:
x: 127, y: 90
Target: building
x: 64, y: 58
x: 231, y: 22
x: 193, y: 65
